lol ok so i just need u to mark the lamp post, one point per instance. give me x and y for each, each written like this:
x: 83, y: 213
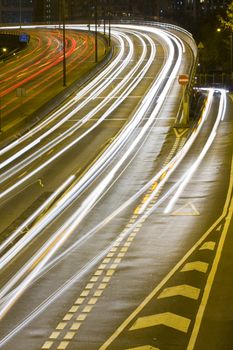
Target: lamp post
x: 20, y: 14
x: 231, y: 72
x: 64, y: 42
x: 96, y: 34
x: 0, y: 114
x: 109, y: 25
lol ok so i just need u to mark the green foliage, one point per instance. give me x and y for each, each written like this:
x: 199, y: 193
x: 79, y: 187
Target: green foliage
x: 227, y: 21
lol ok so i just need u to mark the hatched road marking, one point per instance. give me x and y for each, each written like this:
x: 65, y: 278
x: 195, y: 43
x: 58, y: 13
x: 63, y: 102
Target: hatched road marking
x: 199, y: 266
x: 226, y: 216
x: 167, y: 319
x: 186, y: 210
x: 182, y: 290
x: 146, y: 347
x: 210, y: 245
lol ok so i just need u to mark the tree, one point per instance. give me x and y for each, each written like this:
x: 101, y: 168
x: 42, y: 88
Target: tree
x: 227, y: 22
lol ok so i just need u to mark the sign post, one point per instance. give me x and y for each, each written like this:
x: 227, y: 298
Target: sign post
x: 183, y: 80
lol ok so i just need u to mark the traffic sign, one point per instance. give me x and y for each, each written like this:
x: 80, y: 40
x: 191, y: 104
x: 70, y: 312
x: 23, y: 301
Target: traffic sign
x: 183, y: 79
x: 200, y: 45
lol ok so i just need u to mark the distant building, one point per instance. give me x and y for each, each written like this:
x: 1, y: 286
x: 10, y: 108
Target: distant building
x: 16, y: 11
x: 47, y: 11
x: 196, y: 8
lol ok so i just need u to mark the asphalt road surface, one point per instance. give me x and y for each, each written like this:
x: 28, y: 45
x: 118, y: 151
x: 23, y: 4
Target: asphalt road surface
x: 116, y: 225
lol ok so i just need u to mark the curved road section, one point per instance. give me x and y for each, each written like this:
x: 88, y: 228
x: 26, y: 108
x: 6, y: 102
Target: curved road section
x: 109, y: 237
x: 34, y: 75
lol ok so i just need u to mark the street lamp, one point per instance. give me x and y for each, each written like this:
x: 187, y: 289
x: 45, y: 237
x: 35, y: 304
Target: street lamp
x: 231, y: 55
x: 96, y: 34
x: 64, y: 41
x: 109, y: 25
x: 20, y: 14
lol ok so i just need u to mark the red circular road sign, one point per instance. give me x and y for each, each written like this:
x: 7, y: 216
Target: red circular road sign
x: 183, y: 79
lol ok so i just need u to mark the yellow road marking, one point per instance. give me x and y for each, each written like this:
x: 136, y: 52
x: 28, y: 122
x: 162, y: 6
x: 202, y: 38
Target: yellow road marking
x: 69, y: 335
x: 124, y: 249
x: 144, y: 347
x: 92, y: 301
x: 183, y: 290
x: 54, y: 335
x: 167, y: 319
x: 47, y: 345
x: 102, y: 267
x: 154, y: 186
x: 98, y: 293
x: 75, y: 326
x: 63, y: 345
x: 81, y: 317
x: 113, y: 249
x: 98, y: 272
x: 179, y: 131
x: 113, y: 266
x: 79, y: 301
x: 137, y: 210
x: 106, y: 279
x: 88, y: 308
x: 208, y: 246
x: 67, y: 317
x: 163, y: 175
x: 199, y: 266
x: 40, y: 182
x: 61, y: 325
x: 21, y: 175
x: 210, y: 279
x: 166, y: 278
x: 94, y: 279
x: 133, y: 234
x: 110, y: 272
x: 74, y: 308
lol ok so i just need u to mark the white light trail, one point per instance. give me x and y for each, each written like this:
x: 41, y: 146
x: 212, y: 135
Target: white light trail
x: 56, y: 240
x: 189, y: 173
x: 60, y: 138
x: 24, y: 226
x: 90, y: 176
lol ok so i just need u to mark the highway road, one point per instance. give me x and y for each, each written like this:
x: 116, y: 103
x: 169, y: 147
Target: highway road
x: 114, y: 221
x: 34, y: 75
